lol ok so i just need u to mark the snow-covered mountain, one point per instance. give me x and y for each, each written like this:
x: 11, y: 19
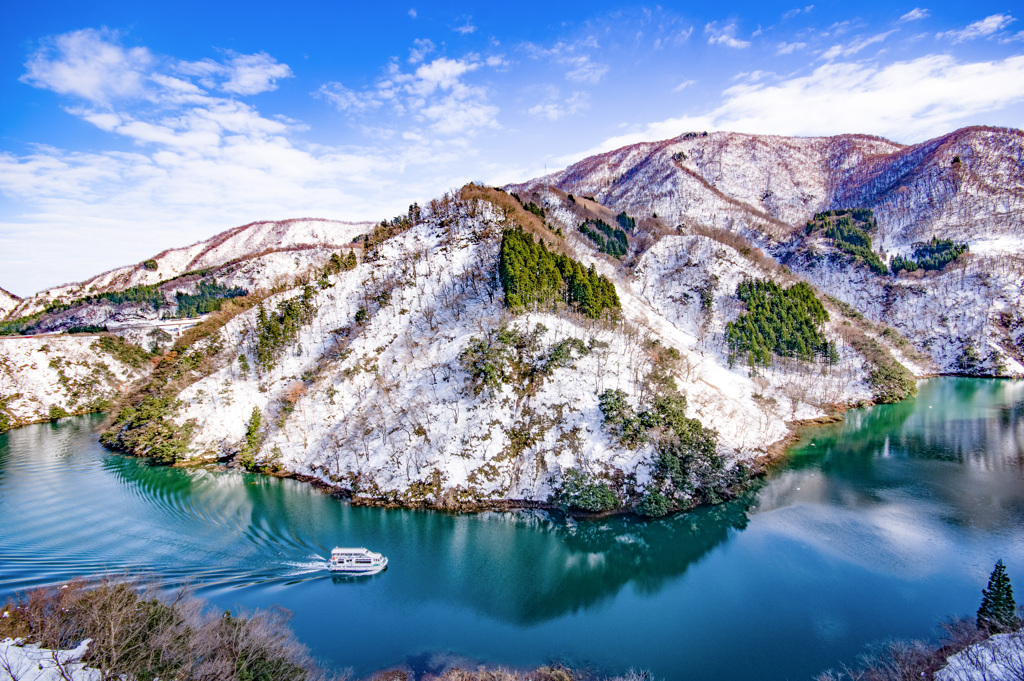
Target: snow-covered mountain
x: 259, y: 253
x: 8, y: 301
x: 967, y: 186
x: 392, y: 367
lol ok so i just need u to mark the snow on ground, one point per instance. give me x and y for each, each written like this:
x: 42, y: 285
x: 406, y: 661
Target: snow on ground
x: 240, y: 243
x: 29, y: 662
x: 977, y: 302
x: 8, y: 301
x: 1000, y: 658
x: 49, y: 376
x: 385, y: 405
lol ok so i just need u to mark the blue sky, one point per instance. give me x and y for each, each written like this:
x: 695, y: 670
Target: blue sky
x: 130, y: 127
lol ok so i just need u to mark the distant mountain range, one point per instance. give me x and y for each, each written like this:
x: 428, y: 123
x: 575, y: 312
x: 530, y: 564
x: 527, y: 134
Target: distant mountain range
x: 385, y: 359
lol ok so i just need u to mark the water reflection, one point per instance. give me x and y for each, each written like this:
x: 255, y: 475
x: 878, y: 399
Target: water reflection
x: 879, y: 526
x: 232, y: 530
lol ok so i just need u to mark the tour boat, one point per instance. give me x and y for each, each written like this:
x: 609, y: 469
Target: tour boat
x: 356, y: 561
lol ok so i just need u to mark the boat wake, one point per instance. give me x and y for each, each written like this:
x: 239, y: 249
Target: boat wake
x: 315, y: 563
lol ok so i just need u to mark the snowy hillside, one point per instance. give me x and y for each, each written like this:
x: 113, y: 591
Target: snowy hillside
x: 967, y: 186
x: 50, y: 377
x: 376, y: 394
x: 383, y: 359
x: 275, y: 245
x: 8, y: 301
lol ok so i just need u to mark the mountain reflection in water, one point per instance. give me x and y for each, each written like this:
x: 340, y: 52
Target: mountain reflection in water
x: 878, y: 526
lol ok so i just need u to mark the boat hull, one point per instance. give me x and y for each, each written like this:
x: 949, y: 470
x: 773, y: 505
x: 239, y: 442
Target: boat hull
x: 358, y: 569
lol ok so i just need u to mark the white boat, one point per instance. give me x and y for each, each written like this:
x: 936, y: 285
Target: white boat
x: 356, y: 561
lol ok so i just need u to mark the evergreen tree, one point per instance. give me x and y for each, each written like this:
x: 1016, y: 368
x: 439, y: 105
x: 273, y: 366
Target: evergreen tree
x: 253, y: 440
x: 532, y: 275
x: 998, y: 612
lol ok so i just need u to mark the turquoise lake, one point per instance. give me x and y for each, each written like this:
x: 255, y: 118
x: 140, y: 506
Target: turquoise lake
x: 877, y: 527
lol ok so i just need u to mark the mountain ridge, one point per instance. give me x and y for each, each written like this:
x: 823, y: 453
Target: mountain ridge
x: 362, y: 358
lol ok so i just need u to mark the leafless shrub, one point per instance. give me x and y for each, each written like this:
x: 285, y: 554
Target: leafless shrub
x: 137, y: 634
x: 900, y: 660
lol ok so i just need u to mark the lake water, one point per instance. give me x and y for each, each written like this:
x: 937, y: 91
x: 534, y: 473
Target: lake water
x: 879, y: 526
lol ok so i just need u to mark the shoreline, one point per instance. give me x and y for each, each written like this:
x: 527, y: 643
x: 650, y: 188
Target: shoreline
x: 775, y: 455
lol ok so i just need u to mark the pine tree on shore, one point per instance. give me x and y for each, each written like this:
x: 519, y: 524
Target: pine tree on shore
x: 998, y: 611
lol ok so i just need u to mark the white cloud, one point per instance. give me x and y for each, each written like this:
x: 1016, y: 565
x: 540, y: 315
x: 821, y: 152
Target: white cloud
x: 585, y: 70
x: 464, y: 110
x: 421, y: 47
x: 412, y: 13
x: 906, y: 101
x: 797, y: 10
x: 345, y: 99
x: 466, y: 28
x: 851, y: 48
x: 202, y: 162
x: 575, y: 56
x: 552, y: 109
x: 789, y: 48
x: 250, y: 74
x: 441, y: 73
x: 242, y: 74
x: 435, y: 93
x: 682, y: 86
x: 724, y: 35
x: 979, y: 29
x: 915, y: 14
x: 91, y: 65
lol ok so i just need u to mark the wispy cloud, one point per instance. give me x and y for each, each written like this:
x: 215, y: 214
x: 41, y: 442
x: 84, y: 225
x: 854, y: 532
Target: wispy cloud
x: 465, y: 28
x: 907, y: 101
x: 241, y: 74
x: 789, y: 48
x: 554, y: 108
x: 797, y: 10
x: 682, y: 86
x: 852, y: 47
x: 724, y: 35
x: 574, y: 55
x: 421, y: 47
x: 435, y: 93
x: 915, y: 14
x: 979, y: 29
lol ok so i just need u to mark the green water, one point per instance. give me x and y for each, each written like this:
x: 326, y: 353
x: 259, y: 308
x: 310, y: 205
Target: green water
x: 879, y: 526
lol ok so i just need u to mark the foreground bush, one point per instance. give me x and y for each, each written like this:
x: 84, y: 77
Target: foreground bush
x: 138, y: 635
